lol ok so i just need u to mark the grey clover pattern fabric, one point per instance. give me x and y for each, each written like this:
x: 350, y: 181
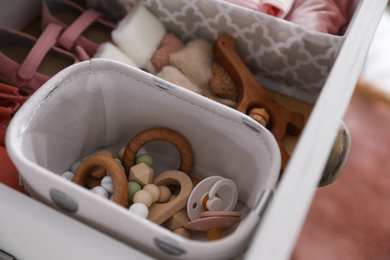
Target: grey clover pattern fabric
x: 294, y: 61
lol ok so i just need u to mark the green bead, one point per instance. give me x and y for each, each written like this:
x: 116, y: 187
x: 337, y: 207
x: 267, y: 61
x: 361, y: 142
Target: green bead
x: 145, y: 158
x: 133, y: 187
x: 116, y: 155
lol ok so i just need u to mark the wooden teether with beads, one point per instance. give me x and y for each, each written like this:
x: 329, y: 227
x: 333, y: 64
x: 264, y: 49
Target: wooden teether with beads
x: 160, y: 212
x: 163, y: 134
x: 113, y: 167
x: 252, y: 95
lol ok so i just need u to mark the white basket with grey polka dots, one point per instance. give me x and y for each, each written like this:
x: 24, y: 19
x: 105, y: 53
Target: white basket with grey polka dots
x: 101, y: 104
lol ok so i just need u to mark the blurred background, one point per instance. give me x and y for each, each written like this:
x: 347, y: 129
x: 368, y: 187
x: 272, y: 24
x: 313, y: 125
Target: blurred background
x: 350, y: 219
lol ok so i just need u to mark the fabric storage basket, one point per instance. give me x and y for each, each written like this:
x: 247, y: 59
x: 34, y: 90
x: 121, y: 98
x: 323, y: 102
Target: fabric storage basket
x: 283, y: 56
x: 102, y: 104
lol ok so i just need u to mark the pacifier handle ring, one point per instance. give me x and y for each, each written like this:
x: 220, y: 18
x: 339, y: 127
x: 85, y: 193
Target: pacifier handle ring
x: 163, y: 134
x: 221, y: 183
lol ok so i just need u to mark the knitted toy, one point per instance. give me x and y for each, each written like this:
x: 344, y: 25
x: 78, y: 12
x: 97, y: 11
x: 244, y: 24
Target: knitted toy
x: 168, y: 45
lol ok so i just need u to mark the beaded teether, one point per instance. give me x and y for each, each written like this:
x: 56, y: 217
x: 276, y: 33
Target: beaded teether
x: 163, y: 134
x: 158, y: 213
x: 113, y: 167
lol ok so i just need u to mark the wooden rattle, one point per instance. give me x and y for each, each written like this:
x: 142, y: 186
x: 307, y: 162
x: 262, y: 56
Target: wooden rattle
x: 158, y: 213
x: 213, y: 222
x: 113, y: 167
x: 163, y: 134
x: 252, y: 95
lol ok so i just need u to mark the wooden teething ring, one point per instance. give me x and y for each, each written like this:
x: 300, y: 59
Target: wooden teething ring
x: 113, y: 167
x: 154, y: 134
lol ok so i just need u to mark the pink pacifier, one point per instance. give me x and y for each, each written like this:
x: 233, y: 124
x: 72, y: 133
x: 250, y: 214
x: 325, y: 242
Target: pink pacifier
x: 214, y: 193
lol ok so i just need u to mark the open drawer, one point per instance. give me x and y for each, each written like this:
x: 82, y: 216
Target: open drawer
x: 277, y: 233
x: 275, y: 236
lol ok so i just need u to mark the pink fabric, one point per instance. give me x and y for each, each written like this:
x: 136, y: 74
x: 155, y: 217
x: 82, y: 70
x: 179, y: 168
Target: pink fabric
x: 251, y: 4
x: 44, y: 43
x: 277, y: 8
x: 73, y: 32
x: 25, y: 75
x: 8, y: 173
x: 327, y: 16
x: 74, y: 35
x: 10, y: 101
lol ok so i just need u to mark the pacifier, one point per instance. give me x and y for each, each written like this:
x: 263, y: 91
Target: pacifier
x: 214, y: 193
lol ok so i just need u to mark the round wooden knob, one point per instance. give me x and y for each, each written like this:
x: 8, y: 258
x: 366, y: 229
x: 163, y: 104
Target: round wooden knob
x: 260, y: 115
x: 113, y: 167
x: 154, y: 134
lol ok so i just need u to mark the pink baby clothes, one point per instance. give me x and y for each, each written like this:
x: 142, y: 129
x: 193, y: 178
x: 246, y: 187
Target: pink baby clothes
x: 251, y: 4
x: 327, y: 16
x: 277, y: 8
x: 10, y: 101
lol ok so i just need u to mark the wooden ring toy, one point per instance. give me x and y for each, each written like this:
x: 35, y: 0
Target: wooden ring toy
x: 163, y: 134
x: 113, y: 167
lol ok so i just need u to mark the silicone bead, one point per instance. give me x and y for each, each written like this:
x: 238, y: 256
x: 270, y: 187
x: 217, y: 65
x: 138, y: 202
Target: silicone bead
x: 165, y: 194
x: 144, y: 197
x: 140, y: 209
x: 68, y: 175
x: 133, y: 188
x: 140, y: 152
x: 154, y: 191
x: 121, y: 152
x: 99, y: 190
x: 119, y: 161
x: 74, y: 166
x: 145, y: 158
x: 108, y: 184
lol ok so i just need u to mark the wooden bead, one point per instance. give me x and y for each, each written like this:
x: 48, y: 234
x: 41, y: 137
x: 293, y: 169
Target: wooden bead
x: 159, y: 213
x: 178, y: 220
x: 121, y: 152
x: 260, y: 115
x: 182, y: 232
x: 143, y: 197
x: 141, y: 173
x: 154, y: 191
x: 165, y: 194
